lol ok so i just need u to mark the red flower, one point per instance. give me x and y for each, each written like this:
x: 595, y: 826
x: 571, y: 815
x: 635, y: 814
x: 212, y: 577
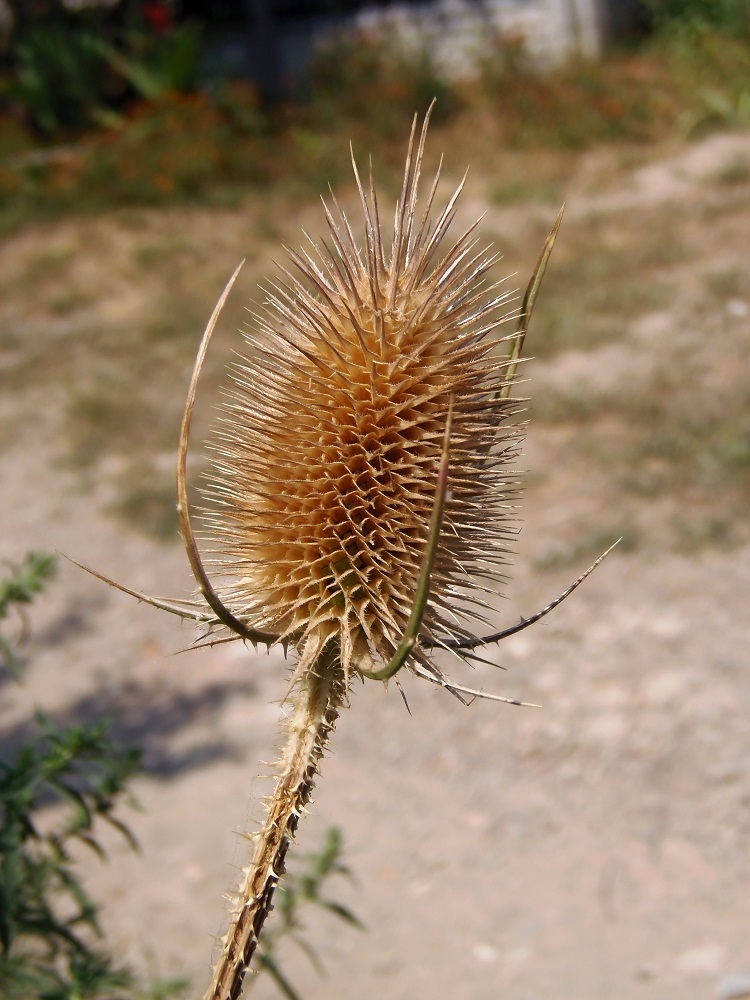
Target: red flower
x: 157, y: 15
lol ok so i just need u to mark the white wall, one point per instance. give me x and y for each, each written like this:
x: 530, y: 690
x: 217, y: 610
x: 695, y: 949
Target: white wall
x: 455, y: 32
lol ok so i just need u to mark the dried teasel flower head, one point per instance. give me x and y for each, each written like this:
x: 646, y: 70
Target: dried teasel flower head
x: 375, y: 390
x: 363, y: 494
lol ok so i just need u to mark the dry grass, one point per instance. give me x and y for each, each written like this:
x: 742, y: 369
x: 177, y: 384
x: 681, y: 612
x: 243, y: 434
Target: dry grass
x: 611, y: 269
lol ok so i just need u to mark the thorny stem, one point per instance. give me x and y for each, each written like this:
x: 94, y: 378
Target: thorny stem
x: 316, y: 701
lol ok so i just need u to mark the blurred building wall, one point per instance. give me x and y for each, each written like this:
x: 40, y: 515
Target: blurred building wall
x: 456, y: 31
x: 275, y: 42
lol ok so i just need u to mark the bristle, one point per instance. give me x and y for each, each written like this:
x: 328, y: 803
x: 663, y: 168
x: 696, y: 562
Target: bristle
x: 327, y: 453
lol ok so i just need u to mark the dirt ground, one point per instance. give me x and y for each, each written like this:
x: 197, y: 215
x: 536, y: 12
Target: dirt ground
x: 596, y: 849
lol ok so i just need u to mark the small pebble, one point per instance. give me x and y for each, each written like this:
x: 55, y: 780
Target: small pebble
x: 738, y: 308
x: 648, y: 971
x: 485, y: 952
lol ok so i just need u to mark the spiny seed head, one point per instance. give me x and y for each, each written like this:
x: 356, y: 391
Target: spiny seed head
x: 329, y: 446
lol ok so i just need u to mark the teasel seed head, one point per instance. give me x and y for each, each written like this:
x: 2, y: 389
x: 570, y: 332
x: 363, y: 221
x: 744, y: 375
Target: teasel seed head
x: 328, y: 450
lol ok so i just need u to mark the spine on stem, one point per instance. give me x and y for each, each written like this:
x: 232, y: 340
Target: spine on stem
x: 317, y: 699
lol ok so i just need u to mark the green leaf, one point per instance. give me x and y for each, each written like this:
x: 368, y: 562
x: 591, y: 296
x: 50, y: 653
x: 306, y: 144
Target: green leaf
x: 267, y: 962
x: 343, y: 912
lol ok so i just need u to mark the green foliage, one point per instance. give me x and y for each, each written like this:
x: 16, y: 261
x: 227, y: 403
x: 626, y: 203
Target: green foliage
x: 705, y: 46
x: 213, y: 147
x: 59, y: 78
x: 17, y: 590
x: 46, y: 917
x: 690, y: 16
x: 155, y: 66
x: 48, y: 923
x: 297, y: 891
x: 710, y: 70
x: 47, y: 920
x: 181, y: 147
x: 73, y: 69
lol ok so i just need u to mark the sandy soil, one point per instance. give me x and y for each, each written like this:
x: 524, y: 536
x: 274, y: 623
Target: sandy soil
x: 597, y: 849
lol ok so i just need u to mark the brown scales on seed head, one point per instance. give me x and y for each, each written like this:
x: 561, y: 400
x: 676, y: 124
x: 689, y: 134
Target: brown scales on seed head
x: 328, y: 455
x: 363, y: 502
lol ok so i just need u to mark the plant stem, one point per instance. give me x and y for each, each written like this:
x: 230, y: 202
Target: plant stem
x: 317, y: 699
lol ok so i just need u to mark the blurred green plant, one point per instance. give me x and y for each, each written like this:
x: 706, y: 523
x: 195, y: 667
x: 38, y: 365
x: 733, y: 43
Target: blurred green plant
x: 705, y: 45
x: 50, y: 936
x: 47, y: 919
x: 297, y: 891
x: 155, y: 65
x: 75, y: 68
x: 59, y: 81
x: 725, y: 16
x: 18, y: 589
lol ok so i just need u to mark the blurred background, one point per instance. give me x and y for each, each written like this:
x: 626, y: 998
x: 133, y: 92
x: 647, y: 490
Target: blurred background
x: 597, y: 848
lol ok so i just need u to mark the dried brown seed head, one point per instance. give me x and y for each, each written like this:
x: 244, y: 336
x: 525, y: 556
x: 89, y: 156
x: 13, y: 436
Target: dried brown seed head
x: 327, y: 454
